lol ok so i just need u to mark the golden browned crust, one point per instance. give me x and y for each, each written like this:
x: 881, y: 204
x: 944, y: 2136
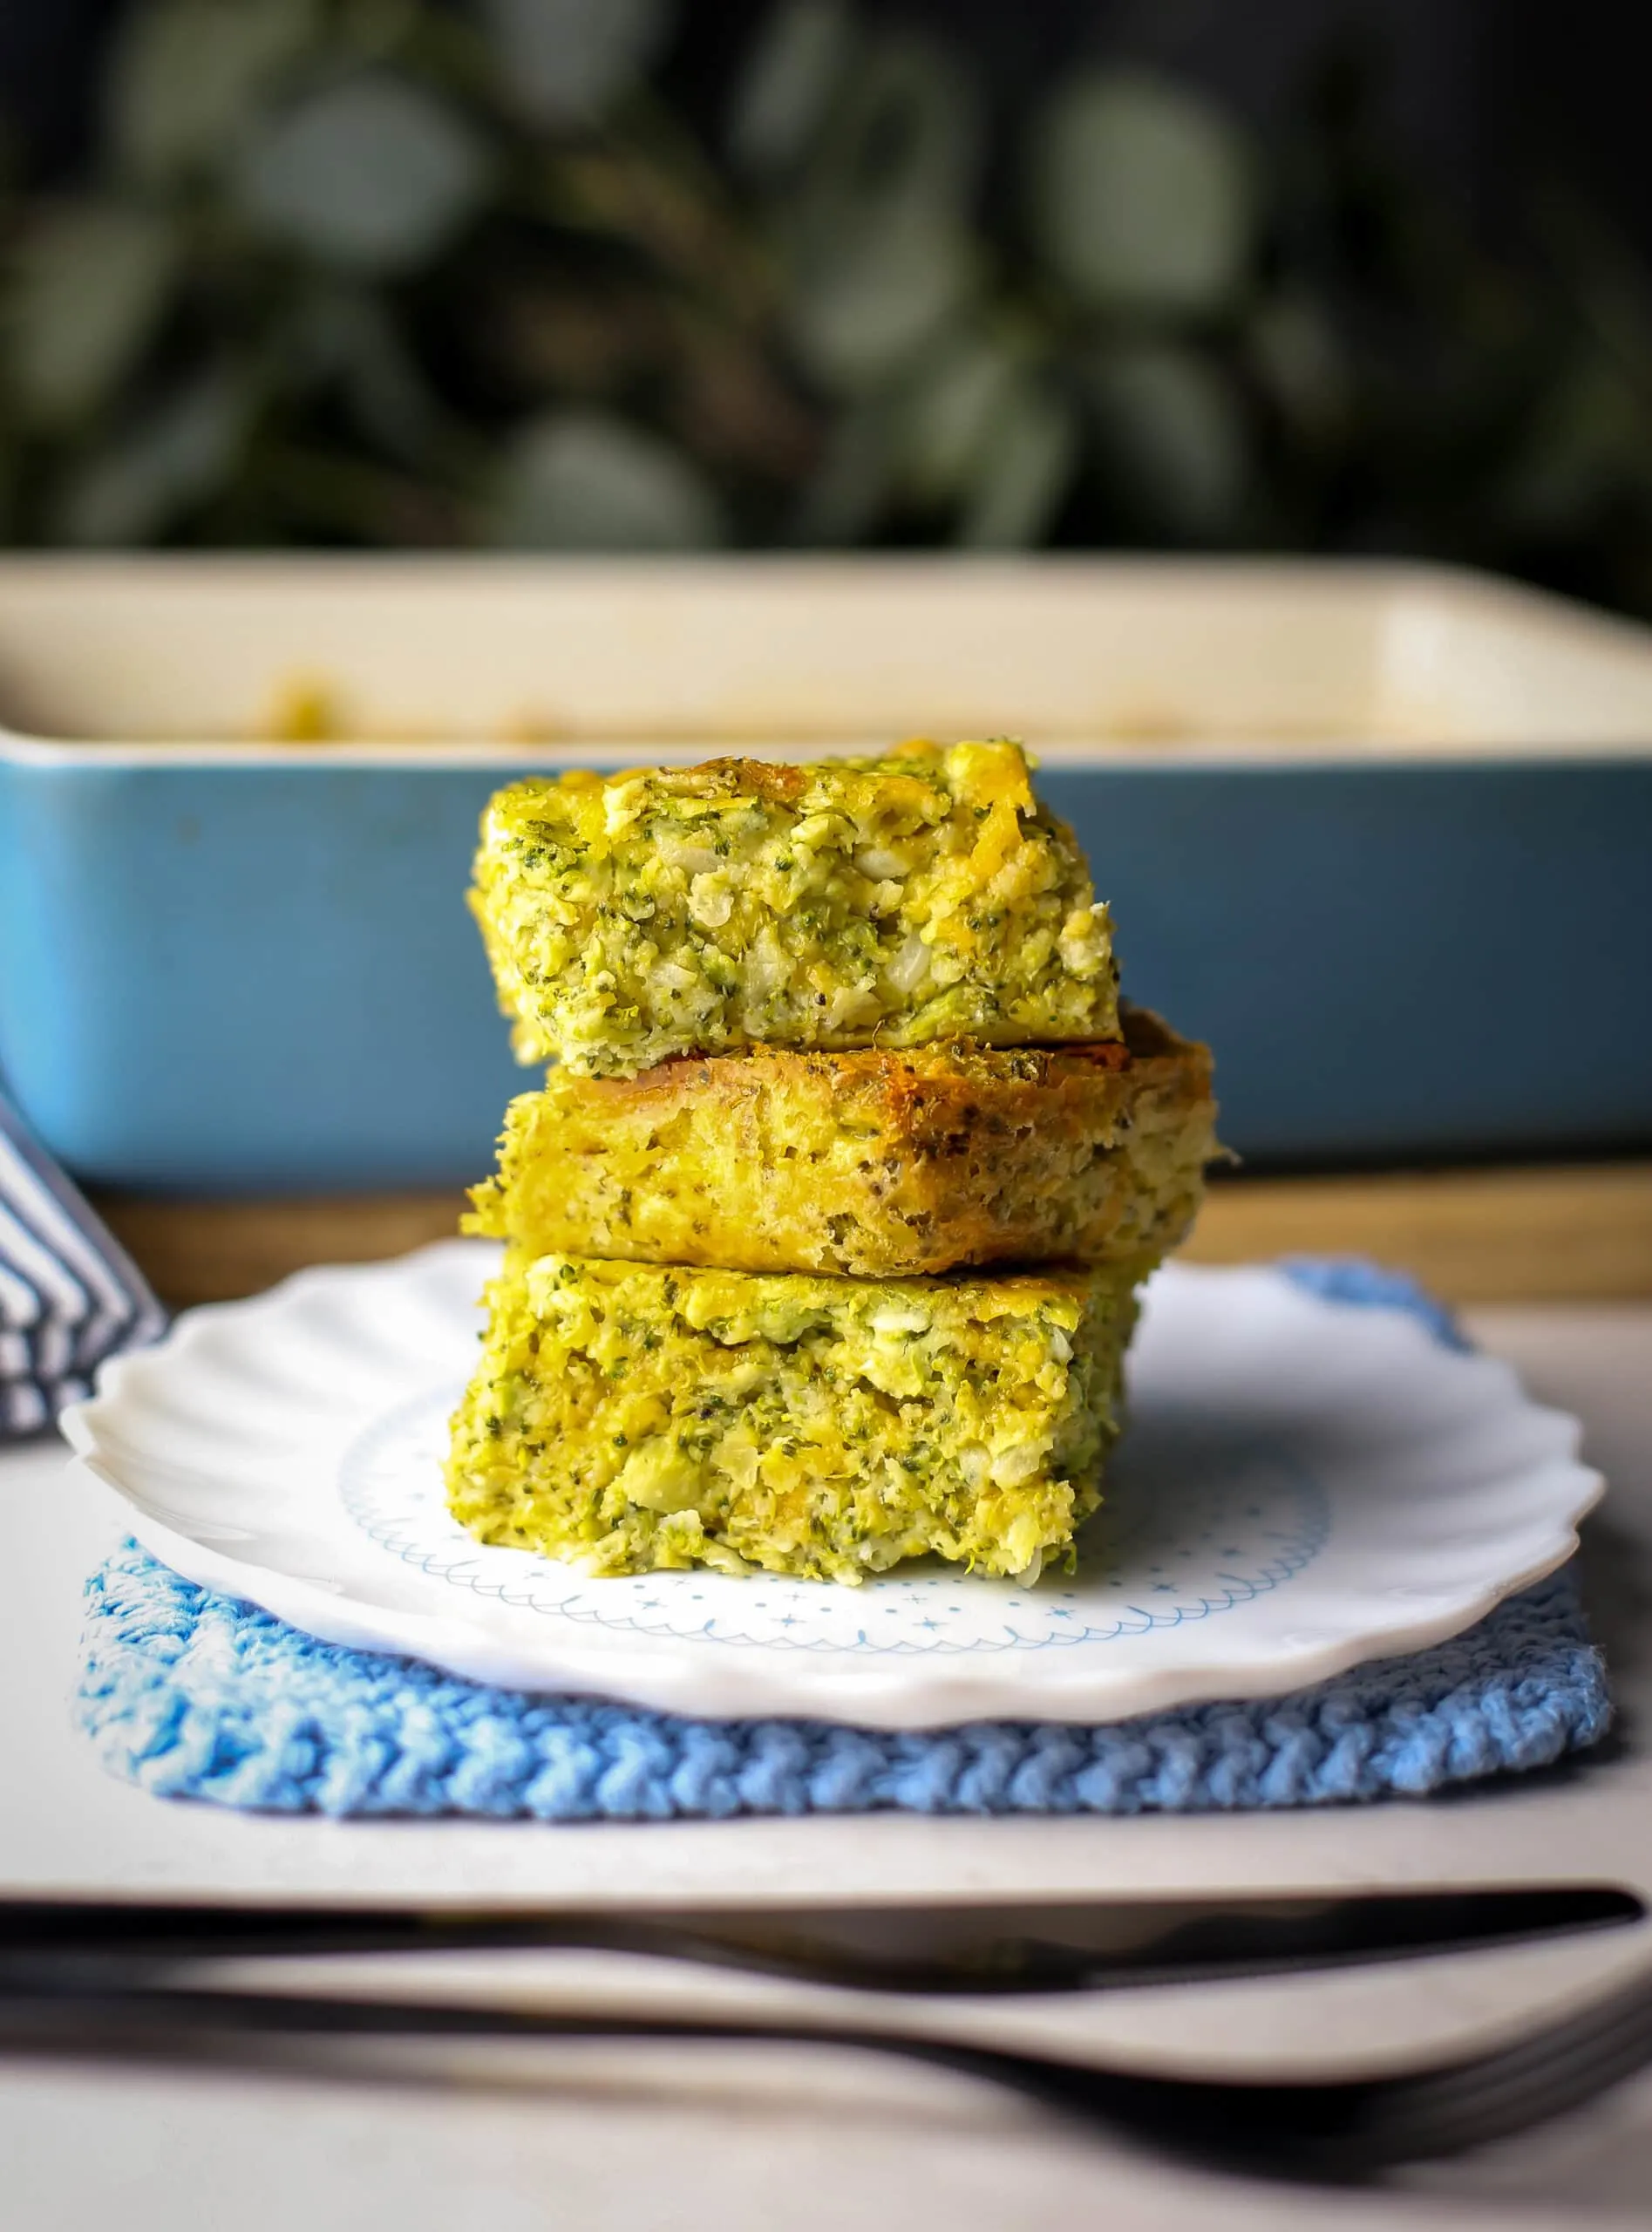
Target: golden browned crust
x: 871, y: 1163
x: 942, y: 1089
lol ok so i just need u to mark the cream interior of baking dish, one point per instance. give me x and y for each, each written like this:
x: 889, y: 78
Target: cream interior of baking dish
x: 1084, y: 656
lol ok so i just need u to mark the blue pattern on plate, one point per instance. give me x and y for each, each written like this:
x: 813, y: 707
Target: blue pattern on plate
x: 1232, y: 1534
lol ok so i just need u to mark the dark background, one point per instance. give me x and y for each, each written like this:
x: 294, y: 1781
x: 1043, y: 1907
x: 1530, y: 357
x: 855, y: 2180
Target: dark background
x: 1457, y: 190
x: 1484, y: 92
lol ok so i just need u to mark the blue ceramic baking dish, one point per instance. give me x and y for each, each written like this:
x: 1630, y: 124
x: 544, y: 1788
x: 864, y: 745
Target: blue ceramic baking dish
x: 1382, y: 835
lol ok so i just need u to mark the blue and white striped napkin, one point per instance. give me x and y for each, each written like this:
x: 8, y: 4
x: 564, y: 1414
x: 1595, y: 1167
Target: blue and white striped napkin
x: 70, y: 1295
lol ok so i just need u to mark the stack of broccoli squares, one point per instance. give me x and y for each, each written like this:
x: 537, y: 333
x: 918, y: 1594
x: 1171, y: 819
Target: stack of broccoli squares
x: 823, y: 1235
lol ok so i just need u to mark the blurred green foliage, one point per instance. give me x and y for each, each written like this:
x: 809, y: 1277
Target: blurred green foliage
x: 382, y: 272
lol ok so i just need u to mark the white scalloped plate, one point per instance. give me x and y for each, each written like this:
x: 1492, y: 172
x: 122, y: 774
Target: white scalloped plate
x: 1304, y: 1485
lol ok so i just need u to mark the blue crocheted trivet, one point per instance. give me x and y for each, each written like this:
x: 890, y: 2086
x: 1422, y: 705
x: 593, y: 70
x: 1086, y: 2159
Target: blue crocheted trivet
x: 196, y: 1695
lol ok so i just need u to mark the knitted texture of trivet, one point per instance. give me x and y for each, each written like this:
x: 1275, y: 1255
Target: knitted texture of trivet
x: 193, y: 1694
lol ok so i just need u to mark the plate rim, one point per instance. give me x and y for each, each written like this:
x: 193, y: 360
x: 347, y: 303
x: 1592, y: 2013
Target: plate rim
x: 664, y: 1675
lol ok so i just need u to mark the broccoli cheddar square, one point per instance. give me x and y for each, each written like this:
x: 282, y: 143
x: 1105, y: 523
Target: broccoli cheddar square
x: 872, y: 1163
x: 856, y: 902
x: 628, y: 1417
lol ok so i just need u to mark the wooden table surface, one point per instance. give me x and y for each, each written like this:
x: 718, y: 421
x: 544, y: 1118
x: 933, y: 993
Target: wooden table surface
x: 1562, y: 1233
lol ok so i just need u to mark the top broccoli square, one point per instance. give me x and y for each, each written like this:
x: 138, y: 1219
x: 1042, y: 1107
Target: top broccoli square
x: 896, y: 902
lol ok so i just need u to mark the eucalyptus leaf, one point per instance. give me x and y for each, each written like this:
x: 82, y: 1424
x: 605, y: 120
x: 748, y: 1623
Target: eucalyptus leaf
x: 788, y: 85
x: 380, y: 31
x: 186, y: 75
x: 1024, y: 472
x: 134, y: 488
x: 859, y: 317
x: 8, y: 462
x: 1587, y: 444
x: 904, y: 135
x: 949, y: 412
x: 853, y: 484
x: 371, y: 173
x: 89, y: 286
x: 1296, y: 354
x: 345, y: 339
x: 1142, y: 197
x: 585, y: 482
x: 1170, y: 442
x: 567, y: 62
